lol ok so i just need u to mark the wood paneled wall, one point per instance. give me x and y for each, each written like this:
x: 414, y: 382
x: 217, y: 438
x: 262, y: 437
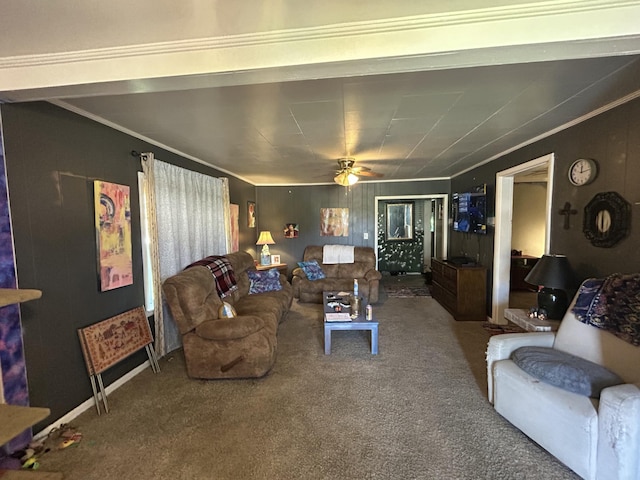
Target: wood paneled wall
x: 278, y: 206
x: 613, y: 140
x: 52, y: 158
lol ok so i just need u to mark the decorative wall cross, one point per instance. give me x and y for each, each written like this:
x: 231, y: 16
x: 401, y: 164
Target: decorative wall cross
x: 567, y: 211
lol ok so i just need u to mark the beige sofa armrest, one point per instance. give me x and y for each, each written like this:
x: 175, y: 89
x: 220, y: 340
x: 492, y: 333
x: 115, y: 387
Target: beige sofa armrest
x: 619, y: 432
x: 298, y: 272
x: 372, y: 275
x: 500, y: 347
x: 229, y: 328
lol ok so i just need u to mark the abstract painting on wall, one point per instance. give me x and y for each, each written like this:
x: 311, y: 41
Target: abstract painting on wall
x: 334, y: 222
x: 113, y: 231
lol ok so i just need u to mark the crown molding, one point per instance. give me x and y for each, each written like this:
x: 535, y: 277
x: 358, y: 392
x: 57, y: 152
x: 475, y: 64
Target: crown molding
x: 558, y: 129
x: 425, y: 36
x: 341, y: 30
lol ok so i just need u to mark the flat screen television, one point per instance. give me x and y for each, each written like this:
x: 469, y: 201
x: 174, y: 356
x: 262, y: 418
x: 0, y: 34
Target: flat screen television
x: 470, y: 210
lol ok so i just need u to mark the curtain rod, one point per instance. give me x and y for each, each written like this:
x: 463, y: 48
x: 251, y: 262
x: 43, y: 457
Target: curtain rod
x: 143, y: 156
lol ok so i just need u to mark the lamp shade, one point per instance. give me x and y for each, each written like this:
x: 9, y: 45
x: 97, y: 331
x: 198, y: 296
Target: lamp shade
x: 265, y: 238
x: 551, y: 271
x: 346, y: 179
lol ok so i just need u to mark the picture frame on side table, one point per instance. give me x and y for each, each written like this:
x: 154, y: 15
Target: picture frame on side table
x: 275, y: 259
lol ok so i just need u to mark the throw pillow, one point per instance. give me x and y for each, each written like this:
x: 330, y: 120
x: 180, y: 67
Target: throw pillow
x: 312, y: 270
x: 264, y: 281
x: 565, y: 370
x: 226, y: 310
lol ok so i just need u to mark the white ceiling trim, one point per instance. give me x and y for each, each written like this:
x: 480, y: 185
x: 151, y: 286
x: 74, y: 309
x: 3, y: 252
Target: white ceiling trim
x: 418, y: 22
x: 570, y: 124
x: 144, y: 138
x: 421, y: 36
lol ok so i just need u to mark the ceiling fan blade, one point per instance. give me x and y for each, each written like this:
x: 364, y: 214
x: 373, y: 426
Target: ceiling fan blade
x: 370, y: 174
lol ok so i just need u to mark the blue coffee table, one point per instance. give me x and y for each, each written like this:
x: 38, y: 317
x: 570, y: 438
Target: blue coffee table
x: 358, y: 323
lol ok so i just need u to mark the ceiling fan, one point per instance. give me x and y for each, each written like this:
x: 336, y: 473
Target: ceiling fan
x: 348, y: 175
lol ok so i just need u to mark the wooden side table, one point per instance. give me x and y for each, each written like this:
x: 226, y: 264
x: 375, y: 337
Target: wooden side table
x: 282, y: 267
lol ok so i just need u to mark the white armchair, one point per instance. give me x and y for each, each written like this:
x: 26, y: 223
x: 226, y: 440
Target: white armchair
x: 597, y: 438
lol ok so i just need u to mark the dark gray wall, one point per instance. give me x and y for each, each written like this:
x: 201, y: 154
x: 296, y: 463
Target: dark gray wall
x: 278, y: 206
x: 613, y: 140
x: 52, y: 158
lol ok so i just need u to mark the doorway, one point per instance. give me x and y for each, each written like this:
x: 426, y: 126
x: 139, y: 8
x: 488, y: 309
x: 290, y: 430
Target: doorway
x: 505, y: 181
x: 433, y: 222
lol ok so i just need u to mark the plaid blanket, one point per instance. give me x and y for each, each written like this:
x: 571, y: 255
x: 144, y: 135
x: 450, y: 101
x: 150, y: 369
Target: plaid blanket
x: 222, y: 273
x: 613, y: 304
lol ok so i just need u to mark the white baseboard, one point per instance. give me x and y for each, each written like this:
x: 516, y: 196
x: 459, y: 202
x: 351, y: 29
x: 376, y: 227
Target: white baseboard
x: 90, y: 402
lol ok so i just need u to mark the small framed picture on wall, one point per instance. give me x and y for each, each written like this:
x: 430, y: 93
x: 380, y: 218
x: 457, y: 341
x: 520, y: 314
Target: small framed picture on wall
x: 291, y: 230
x: 251, y: 214
x: 275, y: 259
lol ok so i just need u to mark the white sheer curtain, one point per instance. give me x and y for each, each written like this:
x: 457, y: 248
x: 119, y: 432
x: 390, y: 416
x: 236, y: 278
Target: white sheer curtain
x: 189, y: 219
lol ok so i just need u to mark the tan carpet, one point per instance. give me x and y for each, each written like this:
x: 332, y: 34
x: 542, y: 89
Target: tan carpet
x: 418, y: 410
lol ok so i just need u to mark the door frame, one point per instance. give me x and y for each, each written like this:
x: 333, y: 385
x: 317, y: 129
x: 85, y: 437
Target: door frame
x: 445, y: 216
x: 503, y: 230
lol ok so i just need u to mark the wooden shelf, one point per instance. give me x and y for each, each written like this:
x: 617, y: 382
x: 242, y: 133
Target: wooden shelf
x: 16, y: 419
x: 282, y: 267
x: 9, y: 296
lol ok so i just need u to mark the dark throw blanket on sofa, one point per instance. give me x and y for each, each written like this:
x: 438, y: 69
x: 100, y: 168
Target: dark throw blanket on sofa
x: 613, y: 304
x: 222, y: 273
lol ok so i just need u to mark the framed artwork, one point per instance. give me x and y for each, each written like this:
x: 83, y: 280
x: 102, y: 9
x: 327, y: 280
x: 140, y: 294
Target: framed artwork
x: 235, y: 238
x: 251, y: 214
x: 291, y: 230
x: 399, y: 221
x: 113, y: 234
x: 607, y: 219
x: 334, y: 222
x: 275, y: 259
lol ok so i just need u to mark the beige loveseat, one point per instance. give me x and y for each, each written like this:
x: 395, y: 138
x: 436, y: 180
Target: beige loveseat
x: 239, y: 347
x: 338, y: 276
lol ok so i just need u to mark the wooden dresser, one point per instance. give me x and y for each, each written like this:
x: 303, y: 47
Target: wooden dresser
x: 462, y: 290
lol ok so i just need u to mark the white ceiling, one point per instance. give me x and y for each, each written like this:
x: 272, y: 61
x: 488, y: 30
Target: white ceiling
x: 404, y: 116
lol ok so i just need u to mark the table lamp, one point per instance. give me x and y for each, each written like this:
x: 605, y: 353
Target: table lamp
x: 552, y: 274
x: 265, y: 239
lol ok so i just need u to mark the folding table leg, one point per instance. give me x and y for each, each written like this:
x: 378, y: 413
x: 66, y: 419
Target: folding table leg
x: 95, y: 392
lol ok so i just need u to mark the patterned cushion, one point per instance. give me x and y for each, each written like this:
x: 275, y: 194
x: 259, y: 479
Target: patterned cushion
x: 312, y: 270
x: 264, y: 281
x: 564, y: 370
x: 222, y: 272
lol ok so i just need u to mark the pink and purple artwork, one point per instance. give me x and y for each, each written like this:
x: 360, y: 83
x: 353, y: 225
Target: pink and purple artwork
x: 113, y: 229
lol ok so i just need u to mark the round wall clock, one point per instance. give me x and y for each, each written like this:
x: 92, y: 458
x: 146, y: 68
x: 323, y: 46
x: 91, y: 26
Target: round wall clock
x: 583, y: 171
x: 607, y: 219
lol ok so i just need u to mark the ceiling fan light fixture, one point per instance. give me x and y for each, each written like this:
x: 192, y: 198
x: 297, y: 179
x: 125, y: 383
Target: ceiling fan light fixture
x: 346, y: 179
